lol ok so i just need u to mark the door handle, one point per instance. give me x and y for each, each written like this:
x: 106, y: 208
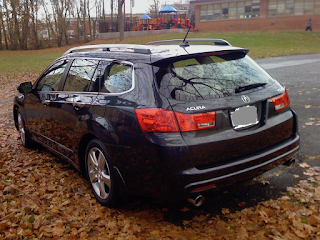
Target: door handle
x: 78, y: 105
x: 46, y: 102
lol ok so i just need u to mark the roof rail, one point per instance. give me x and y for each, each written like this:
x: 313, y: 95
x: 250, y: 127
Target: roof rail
x: 199, y: 41
x: 112, y: 48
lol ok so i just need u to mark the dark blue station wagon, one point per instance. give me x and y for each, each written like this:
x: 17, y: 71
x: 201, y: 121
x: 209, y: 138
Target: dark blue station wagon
x: 161, y: 120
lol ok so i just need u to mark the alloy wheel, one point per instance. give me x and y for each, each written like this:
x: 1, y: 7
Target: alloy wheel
x: 99, y: 173
x: 21, y: 128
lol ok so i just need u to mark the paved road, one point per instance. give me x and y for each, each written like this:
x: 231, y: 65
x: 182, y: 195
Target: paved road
x: 301, y: 75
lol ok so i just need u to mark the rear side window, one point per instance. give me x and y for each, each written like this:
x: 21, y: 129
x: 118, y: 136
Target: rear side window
x: 115, y: 77
x: 207, y: 77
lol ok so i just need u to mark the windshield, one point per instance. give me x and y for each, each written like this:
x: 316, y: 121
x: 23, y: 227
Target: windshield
x: 207, y: 77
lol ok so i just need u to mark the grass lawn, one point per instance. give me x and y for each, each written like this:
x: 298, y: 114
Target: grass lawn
x: 261, y: 45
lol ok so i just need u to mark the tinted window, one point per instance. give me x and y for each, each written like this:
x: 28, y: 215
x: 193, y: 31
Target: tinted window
x: 208, y: 76
x: 100, y: 76
x: 80, y: 74
x: 117, y: 78
x: 50, y: 81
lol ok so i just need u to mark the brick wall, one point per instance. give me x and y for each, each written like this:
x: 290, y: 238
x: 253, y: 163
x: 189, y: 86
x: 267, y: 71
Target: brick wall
x: 264, y: 23
x: 259, y: 24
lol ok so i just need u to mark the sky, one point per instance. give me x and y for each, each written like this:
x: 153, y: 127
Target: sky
x: 142, y: 6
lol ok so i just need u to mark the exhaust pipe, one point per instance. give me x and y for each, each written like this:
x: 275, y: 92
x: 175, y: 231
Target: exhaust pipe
x: 290, y: 162
x: 198, y: 201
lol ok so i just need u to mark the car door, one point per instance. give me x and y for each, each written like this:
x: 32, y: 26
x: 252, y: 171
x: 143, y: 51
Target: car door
x: 71, y: 107
x: 112, y: 113
x: 38, y: 103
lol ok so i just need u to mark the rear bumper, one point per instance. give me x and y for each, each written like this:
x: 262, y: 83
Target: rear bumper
x: 239, y: 170
x: 160, y: 166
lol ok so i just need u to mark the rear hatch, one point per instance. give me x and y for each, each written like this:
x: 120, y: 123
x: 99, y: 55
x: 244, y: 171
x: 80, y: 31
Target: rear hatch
x: 235, y: 107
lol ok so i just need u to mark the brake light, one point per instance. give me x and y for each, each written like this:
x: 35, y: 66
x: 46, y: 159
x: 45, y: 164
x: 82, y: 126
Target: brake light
x: 160, y: 120
x: 282, y: 101
x: 157, y: 120
x: 192, y: 122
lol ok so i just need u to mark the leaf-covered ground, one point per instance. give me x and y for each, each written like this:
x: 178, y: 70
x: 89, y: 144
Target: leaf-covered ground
x: 42, y: 197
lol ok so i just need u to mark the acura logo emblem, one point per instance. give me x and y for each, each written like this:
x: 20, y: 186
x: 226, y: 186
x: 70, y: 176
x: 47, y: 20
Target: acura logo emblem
x: 245, y: 98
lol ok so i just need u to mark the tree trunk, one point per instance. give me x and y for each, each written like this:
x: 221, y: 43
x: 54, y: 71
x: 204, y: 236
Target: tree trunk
x: 48, y: 22
x: 78, y: 25
x: 89, y: 22
x: 121, y: 19
x: 1, y: 48
x: 112, y: 4
x: 34, y: 17
x: 12, y: 41
x: 16, y: 36
x: 4, y: 34
x: 25, y: 32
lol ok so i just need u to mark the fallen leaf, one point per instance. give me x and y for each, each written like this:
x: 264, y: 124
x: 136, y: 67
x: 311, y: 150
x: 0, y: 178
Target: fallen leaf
x: 225, y: 211
x: 304, y: 165
x: 309, y: 123
x: 58, y: 230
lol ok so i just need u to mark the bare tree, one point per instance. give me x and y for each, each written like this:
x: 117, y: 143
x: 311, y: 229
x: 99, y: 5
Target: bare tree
x: 8, y: 28
x: 1, y: 27
x: 20, y: 25
x: 82, y: 13
x: 16, y: 36
x: 34, y: 7
x: 100, y: 13
x: 154, y: 8
x: 48, y: 19
x: 24, y: 12
x: 112, y: 3
x: 60, y: 10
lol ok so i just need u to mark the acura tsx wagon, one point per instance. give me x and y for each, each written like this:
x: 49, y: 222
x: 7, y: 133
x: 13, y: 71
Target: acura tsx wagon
x: 161, y: 120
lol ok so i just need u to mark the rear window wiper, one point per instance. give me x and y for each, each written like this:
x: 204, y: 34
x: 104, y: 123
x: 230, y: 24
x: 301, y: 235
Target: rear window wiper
x: 248, y: 87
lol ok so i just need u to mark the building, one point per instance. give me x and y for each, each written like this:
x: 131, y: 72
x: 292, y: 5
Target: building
x: 252, y: 15
x: 75, y: 27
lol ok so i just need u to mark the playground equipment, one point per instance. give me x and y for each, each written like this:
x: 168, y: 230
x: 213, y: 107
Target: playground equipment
x: 168, y: 19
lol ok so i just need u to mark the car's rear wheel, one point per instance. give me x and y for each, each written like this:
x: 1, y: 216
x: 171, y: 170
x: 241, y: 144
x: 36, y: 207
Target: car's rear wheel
x: 25, y: 136
x: 101, y: 174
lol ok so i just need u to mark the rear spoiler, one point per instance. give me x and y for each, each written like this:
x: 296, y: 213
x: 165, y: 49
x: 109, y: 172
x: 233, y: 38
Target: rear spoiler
x: 196, y: 41
x: 232, y: 53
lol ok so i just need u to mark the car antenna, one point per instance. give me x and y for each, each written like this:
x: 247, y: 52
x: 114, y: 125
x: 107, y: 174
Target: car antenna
x: 184, y: 43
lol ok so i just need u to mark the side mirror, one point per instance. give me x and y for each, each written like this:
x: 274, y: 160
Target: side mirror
x: 25, y: 87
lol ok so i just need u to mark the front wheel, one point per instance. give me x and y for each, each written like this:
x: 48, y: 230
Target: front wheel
x: 100, y: 173
x: 25, y: 137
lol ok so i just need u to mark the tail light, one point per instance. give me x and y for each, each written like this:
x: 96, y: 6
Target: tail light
x: 282, y: 101
x: 193, y: 122
x: 160, y: 120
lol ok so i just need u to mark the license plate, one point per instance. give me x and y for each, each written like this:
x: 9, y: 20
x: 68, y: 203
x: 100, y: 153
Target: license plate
x: 244, y: 117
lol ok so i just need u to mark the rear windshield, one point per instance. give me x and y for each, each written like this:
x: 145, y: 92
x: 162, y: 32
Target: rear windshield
x: 208, y: 77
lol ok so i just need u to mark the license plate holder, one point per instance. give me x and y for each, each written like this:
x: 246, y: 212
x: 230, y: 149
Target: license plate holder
x: 244, y: 117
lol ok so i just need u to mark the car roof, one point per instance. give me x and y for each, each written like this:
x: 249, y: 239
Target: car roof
x: 152, y: 52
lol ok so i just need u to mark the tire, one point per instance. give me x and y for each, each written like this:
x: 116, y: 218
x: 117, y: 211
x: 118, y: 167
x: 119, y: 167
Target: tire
x: 24, y: 133
x: 101, y: 174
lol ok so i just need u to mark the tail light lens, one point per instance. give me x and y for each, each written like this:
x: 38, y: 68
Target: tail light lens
x: 157, y: 120
x: 160, y: 120
x: 282, y: 101
x: 193, y: 122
